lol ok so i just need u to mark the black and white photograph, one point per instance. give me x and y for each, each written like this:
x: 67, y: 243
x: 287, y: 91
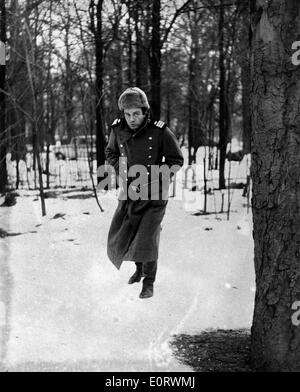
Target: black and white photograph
x: 149, y: 189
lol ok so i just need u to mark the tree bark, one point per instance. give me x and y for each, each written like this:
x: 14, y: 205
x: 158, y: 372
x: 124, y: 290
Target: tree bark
x: 3, y: 168
x: 100, y: 127
x: 246, y: 79
x: 155, y: 60
x: 276, y: 187
x: 130, y: 49
x: 31, y: 61
x: 246, y: 86
x: 143, y: 25
x: 49, y: 113
x: 222, y: 100
x: 195, y: 133
x: 68, y: 83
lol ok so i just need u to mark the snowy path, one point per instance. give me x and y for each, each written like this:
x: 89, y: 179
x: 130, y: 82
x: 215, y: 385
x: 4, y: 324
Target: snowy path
x: 66, y: 308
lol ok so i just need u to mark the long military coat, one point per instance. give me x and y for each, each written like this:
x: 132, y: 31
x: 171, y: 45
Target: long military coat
x: 136, y: 225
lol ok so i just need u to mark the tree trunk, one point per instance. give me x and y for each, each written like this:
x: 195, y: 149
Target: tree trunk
x: 155, y: 60
x: 68, y: 83
x: 100, y: 127
x: 139, y: 47
x: 31, y: 64
x: 276, y: 188
x: 195, y: 134
x: 100, y: 131
x: 140, y: 14
x: 50, y: 130
x: 222, y: 100
x: 39, y: 164
x: 130, y: 50
x: 246, y: 86
x: 246, y: 79
x: 3, y: 168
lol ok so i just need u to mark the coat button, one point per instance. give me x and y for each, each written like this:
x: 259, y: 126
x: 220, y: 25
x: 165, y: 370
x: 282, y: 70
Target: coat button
x: 150, y: 148
x: 121, y: 145
x: 150, y: 156
x: 150, y: 138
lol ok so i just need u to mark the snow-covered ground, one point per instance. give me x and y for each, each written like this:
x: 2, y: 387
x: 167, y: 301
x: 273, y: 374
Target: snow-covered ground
x: 64, y: 306
x: 70, y: 173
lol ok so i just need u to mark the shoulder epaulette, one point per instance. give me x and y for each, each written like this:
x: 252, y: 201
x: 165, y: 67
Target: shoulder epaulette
x: 116, y: 122
x: 160, y: 124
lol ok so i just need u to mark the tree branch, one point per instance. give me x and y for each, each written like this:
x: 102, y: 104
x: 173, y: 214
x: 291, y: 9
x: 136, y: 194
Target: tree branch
x: 175, y: 16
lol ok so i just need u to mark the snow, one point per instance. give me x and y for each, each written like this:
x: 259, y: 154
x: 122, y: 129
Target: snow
x: 65, y: 307
x: 68, y: 308
x: 71, y: 173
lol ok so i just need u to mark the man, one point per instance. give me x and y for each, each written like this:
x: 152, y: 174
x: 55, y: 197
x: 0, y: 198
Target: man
x: 136, y: 141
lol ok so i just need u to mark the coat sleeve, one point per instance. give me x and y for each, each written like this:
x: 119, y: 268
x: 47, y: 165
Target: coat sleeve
x: 112, y: 151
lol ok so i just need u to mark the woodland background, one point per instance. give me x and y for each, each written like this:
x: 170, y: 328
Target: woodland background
x: 213, y: 76
x: 68, y: 62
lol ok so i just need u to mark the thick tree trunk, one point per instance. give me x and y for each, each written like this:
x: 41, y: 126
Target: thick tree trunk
x: 276, y: 187
x: 155, y: 60
x: 3, y: 169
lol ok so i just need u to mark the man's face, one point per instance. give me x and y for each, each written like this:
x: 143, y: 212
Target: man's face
x: 134, y: 117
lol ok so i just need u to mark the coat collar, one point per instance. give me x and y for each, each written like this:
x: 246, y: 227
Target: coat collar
x: 125, y: 133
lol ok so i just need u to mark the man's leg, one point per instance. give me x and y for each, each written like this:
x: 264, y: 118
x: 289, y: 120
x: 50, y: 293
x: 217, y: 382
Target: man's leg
x: 137, y: 276
x: 150, y: 269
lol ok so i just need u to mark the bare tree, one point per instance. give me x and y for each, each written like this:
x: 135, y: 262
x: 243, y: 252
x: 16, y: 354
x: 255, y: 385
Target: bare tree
x: 141, y: 12
x: 97, y: 30
x: 158, y: 39
x: 222, y: 100
x: 155, y: 59
x: 68, y: 82
x: 3, y: 168
x: 245, y: 76
x: 30, y: 58
x: 195, y: 134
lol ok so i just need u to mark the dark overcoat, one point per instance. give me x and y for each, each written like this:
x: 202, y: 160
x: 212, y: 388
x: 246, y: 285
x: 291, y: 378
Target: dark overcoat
x: 136, y: 225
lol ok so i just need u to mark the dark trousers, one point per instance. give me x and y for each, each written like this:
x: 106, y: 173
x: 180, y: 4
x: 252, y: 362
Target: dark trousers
x: 148, y: 269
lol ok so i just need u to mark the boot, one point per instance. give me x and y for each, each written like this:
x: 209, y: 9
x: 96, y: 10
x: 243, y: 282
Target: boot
x: 150, y: 274
x: 137, y: 276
